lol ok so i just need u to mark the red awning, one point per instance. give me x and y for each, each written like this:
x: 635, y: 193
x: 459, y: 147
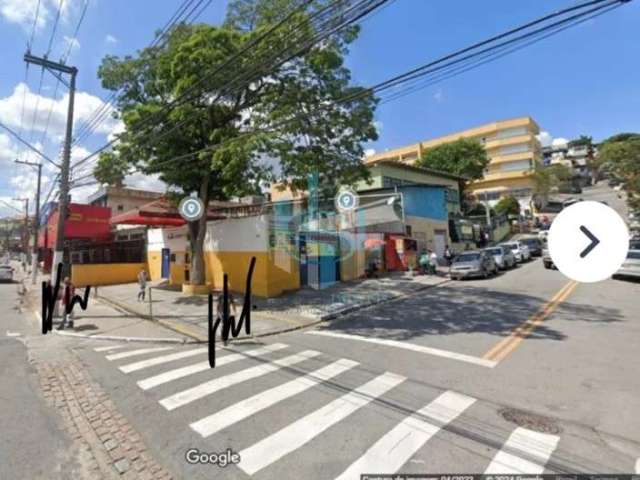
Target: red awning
x: 160, y: 212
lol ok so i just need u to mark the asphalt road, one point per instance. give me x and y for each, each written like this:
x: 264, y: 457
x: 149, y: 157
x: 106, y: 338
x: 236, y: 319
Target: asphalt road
x: 33, y: 443
x: 526, y: 371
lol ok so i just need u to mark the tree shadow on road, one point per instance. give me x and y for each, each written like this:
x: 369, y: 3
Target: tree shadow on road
x: 447, y: 311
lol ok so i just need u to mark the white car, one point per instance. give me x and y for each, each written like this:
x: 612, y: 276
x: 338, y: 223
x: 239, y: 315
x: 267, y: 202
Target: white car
x: 519, y: 249
x: 6, y: 273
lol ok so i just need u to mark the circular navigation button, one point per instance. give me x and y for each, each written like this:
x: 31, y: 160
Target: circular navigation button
x: 588, y: 241
x: 191, y: 209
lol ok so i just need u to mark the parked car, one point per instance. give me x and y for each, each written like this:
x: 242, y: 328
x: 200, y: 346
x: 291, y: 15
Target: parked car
x: 546, y: 259
x: 6, y: 273
x: 543, y: 235
x: 503, y: 257
x: 519, y: 249
x: 534, y: 244
x: 631, y: 266
x: 473, y: 264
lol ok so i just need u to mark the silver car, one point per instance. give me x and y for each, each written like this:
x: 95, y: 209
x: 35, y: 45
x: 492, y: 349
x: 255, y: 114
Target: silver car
x: 631, y: 266
x: 503, y: 257
x: 473, y: 264
x: 519, y: 249
x: 6, y: 273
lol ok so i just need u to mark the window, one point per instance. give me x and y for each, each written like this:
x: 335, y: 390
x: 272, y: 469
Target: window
x: 518, y: 148
x: 511, y: 132
x: 408, y: 230
x: 173, y: 257
x: 120, y: 208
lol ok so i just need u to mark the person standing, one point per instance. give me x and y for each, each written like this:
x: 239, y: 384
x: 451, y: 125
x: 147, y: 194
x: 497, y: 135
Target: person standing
x: 424, y: 262
x: 433, y: 262
x: 68, y: 292
x: 448, y: 256
x: 220, y: 310
x: 142, y: 283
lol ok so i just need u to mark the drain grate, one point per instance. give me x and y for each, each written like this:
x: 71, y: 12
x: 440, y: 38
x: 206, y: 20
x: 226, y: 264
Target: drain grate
x: 531, y: 421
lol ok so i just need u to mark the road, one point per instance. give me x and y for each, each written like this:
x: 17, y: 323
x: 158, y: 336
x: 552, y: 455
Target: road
x: 41, y: 451
x: 525, y: 372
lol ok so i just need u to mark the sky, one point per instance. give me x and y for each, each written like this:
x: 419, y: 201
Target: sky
x: 585, y: 80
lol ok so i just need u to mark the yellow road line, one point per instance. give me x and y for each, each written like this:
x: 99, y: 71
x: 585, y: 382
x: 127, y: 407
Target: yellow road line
x: 510, y: 343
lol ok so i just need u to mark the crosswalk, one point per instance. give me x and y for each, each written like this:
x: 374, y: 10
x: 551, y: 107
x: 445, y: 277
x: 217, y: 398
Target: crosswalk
x: 179, y: 378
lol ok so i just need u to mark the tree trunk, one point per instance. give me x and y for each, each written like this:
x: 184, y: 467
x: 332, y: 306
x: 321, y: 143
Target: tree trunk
x: 197, y: 232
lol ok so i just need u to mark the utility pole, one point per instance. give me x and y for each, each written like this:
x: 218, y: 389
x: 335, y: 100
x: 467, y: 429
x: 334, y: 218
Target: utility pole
x: 57, y: 69
x: 25, y: 236
x: 36, y: 222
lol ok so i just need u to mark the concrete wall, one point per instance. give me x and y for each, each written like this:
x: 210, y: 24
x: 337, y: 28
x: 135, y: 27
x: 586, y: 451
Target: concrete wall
x: 105, y: 273
x: 229, y: 246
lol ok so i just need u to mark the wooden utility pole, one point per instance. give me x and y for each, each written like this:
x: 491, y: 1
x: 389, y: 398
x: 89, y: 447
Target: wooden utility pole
x: 57, y: 69
x: 36, y: 222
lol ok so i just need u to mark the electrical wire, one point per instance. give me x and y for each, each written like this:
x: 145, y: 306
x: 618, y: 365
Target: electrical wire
x: 575, y: 20
x: 55, y: 27
x: 101, y: 113
x: 185, y: 95
x: 33, y: 28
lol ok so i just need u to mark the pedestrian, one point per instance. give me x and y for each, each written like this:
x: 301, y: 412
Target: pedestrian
x: 220, y: 311
x: 142, y: 283
x: 424, y: 262
x: 448, y: 255
x: 67, y: 294
x: 433, y: 262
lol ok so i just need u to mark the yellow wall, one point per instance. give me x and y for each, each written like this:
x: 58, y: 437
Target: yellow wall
x: 154, y: 260
x: 267, y: 281
x: 105, y: 273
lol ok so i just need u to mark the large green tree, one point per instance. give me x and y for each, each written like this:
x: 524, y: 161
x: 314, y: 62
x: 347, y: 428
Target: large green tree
x: 621, y: 153
x: 207, y: 129
x: 547, y: 178
x: 465, y: 157
x: 508, y: 205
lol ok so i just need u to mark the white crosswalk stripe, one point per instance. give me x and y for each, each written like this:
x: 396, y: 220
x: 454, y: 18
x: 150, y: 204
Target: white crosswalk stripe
x: 531, y: 444
x: 294, y: 436
x: 109, y: 348
x: 134, y: 353
x: 134, y: 367
x: 209, y: 425
x: 182, y: 372
x: 524, y: 451
x: 207, y: 388
x: 395, y: 448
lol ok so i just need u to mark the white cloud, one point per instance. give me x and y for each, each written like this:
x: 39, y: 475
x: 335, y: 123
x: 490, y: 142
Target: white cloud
x: 369, y: 152
x: 548, y: 140
x: 110, y: 39
x: 145, y: 182
x: 85, y: 106
x: 71, y: 44
x: 438, y: 96
x: 545, y: 138
x: 22, y: 12
x: 379, y: 126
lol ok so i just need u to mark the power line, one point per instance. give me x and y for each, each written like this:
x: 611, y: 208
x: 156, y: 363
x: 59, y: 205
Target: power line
x: 27, y: 144
x: 100, y: 114
x: 33, y: 28
x: 184, y: 97
x: 410, y: 75
x: 65, y: 57
x: 55, y: 27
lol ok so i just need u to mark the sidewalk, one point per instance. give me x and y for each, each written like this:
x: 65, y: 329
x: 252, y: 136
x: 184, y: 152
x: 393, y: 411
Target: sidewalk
x: 188, y: 315
x: 101, y: 321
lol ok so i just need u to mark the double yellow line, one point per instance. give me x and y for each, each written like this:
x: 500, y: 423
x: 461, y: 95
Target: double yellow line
x: 510, y: 343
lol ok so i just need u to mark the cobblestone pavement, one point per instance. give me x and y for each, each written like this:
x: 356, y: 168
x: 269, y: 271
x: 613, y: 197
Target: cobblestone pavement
x: 107, y: 445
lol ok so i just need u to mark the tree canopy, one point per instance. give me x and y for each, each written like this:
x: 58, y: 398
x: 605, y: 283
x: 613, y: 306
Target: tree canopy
x: 508, y: 205
x: 622, y: 155
x: 205, y: 107
x: 546, y: 178
x: 465, y: 157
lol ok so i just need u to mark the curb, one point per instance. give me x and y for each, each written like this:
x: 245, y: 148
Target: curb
x: 113, y: 337
x: 322, y: 318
